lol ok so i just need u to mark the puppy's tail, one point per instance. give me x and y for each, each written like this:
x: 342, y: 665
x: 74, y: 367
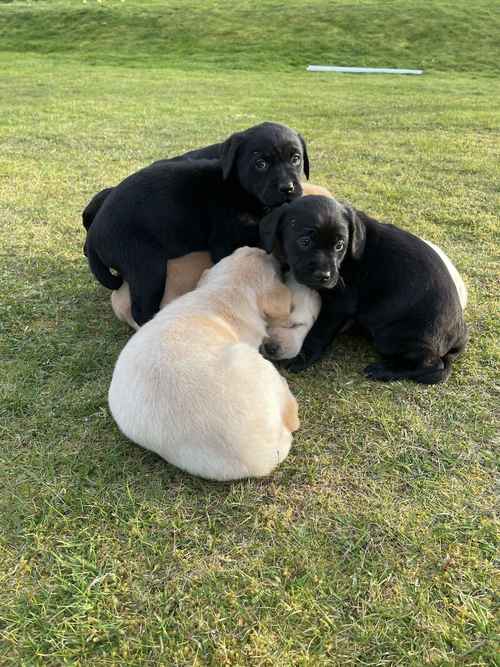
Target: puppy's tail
x: 101, y: 271
x: 90, y: 212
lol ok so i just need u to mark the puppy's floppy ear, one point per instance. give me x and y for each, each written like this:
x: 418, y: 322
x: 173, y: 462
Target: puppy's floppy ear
x: 306, y: 156
x: 269, y: 226
x: 229, y: 149
x: 276, y: 303
x: 357, y: 232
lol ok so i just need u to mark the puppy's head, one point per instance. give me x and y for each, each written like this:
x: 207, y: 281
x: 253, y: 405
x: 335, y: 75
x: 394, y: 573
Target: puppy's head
x: 254, y: 273
x: 268, y: 161
x: 286, y: 335
x: 314, y: 235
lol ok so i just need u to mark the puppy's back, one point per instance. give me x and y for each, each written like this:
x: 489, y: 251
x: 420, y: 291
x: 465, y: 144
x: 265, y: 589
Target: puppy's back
x: 202, y: 401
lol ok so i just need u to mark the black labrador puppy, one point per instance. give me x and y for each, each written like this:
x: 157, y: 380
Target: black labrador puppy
x: 211, y: 152
x: 388, y: 281
x: 175, y: 207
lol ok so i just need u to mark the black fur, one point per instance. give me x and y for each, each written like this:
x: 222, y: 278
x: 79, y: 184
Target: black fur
x: 90, y: 211
x: 376, y: 275
x: 188, y: 204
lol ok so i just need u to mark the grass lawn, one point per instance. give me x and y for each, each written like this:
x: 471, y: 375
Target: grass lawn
x: 375, y: 542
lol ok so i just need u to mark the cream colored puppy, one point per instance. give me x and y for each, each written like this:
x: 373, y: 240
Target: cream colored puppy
x: 285, y: 336
x: 312, y: 189
x: 183, y: 274
x: 191, y: 386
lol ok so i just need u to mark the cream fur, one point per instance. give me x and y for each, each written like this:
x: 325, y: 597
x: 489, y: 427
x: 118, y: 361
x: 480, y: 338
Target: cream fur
x: 120, y: 303
x: 183, y: 274
x: 191, y: 386
x: 455, y: 276
x: 289, y: 334
x: 312, y: 189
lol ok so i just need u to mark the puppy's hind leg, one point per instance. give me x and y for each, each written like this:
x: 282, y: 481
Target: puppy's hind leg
x: 290, y: 411
x: 120, y: 302
x: 147, y: 285
x: 183, y: 274
x: 428, y: 369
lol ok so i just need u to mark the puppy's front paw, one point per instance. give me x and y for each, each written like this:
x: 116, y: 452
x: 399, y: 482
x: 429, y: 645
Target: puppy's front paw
x: 378, y: 372
x: 302, y: 361
x: 297, y: 364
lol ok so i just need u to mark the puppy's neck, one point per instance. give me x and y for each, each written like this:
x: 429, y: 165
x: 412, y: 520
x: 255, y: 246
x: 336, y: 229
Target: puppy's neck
x: 241, y: 199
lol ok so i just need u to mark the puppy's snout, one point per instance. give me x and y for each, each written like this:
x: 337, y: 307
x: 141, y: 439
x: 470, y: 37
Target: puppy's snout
x: 322, y: 276
x: 270, y: 348
x: 287, y: 188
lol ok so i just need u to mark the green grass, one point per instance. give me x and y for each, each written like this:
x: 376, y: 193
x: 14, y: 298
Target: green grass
x: 269, y: 34
x: 375, y: 542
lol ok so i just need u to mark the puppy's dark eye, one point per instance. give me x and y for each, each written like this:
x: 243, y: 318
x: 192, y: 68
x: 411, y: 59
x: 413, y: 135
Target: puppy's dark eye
x: 261, y: 164
x: 304, y: 242
x: 295, y: 160
x: 339, y: 245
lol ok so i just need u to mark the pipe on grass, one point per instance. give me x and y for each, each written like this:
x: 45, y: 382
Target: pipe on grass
x: 362, y: 70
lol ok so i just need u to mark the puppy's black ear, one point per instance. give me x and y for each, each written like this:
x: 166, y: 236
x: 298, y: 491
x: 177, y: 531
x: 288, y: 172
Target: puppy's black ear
x: 228, y: 153
x: 306, y: 156
x: 269, y: 226
x: 357, y: 232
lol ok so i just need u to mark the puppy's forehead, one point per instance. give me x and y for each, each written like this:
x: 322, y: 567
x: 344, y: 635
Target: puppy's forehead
x: 272, y: 137
x: 329, y: 231
x: 322, y: 214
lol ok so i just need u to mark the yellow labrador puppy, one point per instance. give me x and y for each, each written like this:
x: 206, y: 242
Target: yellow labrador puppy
x: 312, y: 189
x: 286, y: 335
x: 183, y: 274
x: 191, y: 385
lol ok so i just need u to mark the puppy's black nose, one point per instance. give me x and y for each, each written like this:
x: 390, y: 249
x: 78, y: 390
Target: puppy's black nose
x: 287, y: 188
x: 322, y: 276
x: 270, y: 348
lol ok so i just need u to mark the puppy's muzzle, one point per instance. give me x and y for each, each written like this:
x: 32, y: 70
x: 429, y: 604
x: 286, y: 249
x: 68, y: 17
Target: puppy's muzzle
x: 284, y: 193
x: 287, y: 188
x: 270, y: 349
x: 320, y: 279
x: 291, y: 190
x: 323, y: 277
